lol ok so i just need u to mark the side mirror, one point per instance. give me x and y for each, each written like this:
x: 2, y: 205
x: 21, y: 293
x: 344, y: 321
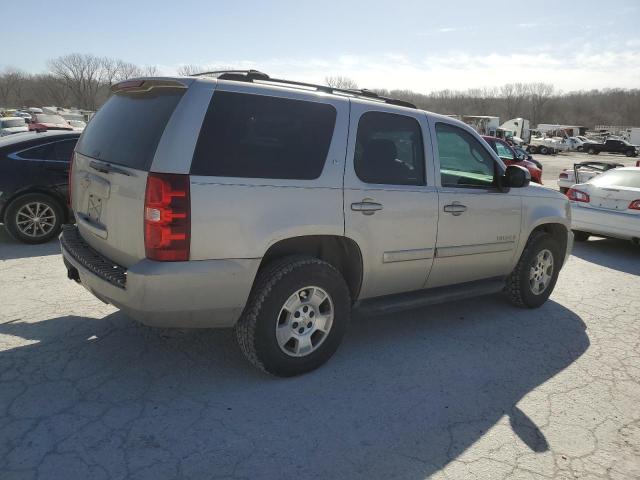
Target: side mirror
x: 516, y: 177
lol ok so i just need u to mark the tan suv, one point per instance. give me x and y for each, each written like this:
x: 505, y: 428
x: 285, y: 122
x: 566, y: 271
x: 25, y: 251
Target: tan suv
x: 275, y: 207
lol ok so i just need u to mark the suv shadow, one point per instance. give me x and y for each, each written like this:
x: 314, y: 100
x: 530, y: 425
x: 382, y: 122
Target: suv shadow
x: 403, y: 397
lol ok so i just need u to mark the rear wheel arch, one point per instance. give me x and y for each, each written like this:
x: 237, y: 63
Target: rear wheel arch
x: 341, y: 252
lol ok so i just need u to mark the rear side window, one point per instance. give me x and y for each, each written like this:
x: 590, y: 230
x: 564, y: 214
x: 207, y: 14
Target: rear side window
x: 127, y: 129
x: 59, y: 151
x: 389, y: 150
x: 255, y: 136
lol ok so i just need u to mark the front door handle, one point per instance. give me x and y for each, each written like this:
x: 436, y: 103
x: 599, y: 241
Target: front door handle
x: 366, y: 206
x: 455, y: 208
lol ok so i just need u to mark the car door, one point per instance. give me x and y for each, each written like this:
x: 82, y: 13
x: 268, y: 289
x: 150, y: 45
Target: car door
x: 390, y: 198
x: 50, y: 163
x: 479, y: 225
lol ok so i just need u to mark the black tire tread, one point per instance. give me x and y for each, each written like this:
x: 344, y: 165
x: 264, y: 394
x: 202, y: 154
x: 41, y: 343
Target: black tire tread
x: 266, y: 279
x: 513, y: 286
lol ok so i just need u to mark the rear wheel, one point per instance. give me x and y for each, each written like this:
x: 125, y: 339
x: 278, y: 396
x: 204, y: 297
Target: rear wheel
x: 536, y: 273
x: 579, y: 236
x: 544, y: 150
x: 630, y: 153
x: 296, y: 316
x: 580, y: 148
x: 564, y: 190
x: 34, y: 218
x: 591, y: 151
x: 532, y: 149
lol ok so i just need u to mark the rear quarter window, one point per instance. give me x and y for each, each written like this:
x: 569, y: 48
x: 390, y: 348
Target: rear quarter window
x: 128, y: 127
x: 256, y: 136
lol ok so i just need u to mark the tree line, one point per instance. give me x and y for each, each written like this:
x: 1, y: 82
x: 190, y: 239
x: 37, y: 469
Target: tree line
x: 84, y: 81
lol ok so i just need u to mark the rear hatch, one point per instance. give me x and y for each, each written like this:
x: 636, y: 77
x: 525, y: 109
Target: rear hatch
x: 111, y: 163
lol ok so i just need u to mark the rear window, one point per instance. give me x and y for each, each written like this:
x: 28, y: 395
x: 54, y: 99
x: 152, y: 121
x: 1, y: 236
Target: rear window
x: 255, y: 136
x: 618, y: 178
x: 127, y: 129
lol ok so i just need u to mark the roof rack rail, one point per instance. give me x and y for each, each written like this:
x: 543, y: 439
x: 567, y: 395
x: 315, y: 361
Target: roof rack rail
x: 255, y: 75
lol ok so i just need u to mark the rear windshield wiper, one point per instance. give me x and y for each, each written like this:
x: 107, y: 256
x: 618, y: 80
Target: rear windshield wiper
x: 108, y: 168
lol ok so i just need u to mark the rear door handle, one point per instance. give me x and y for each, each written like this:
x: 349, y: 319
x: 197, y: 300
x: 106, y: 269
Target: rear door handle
x: 455, y: 208
x: 367, y: 207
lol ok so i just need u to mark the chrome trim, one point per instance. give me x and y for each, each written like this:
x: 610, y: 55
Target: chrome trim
x: 407, y: 255
x: 457, y: 251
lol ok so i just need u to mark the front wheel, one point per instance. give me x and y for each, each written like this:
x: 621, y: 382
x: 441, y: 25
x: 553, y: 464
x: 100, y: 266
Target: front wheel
x: 34, y: 218
x: 630, y: 153
x: 536, y: 273
x: 544, y: 150
x: 296, y: 316
x: 591, y: 151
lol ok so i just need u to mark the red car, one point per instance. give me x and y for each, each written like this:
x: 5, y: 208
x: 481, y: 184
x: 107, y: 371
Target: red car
x: 45, y: 121
x: 509, y: 156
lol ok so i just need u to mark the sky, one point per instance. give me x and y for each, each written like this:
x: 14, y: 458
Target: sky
x: 419, y: 45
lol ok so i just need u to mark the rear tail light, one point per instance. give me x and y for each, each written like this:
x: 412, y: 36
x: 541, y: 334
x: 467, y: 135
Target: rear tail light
x: 167, y: 222
x: 70, y: 178
x: 578, y: 195
x: 637, y: 163
x: 564, y: 174
x: 635, y: 205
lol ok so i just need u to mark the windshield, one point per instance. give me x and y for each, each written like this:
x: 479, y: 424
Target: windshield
x: 50, y: 118
x: 617, y: 178
x: 77, y: 123
x: 13, y: 122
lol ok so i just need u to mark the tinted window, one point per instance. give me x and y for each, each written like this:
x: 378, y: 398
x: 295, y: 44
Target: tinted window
x: 127, y: 129
x: 61, y: 151
x: 255, y: 136
x: 464, y: 162
x: 35, y: 153
x: 617, y: 178
x: 389, y: 150
x: 503, y: 151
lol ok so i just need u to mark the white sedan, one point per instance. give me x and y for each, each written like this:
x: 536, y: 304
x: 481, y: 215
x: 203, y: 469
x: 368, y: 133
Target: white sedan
x: 608, y: 205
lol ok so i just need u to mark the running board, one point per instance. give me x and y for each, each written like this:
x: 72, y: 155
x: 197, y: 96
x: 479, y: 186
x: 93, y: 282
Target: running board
x: 422, y: 298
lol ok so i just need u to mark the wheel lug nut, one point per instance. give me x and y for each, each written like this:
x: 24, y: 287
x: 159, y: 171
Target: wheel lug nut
x: 309, y: 325
x: 305, y: 309
x: 295, y: 325
x: 297, y: 314
x: 311, y: 313
x: 301, y: 330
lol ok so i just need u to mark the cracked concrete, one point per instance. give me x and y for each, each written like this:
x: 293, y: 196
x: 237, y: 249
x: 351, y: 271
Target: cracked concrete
x: 474, y: 390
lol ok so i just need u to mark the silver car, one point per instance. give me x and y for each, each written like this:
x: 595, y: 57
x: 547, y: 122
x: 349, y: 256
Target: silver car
x: 276, y: 207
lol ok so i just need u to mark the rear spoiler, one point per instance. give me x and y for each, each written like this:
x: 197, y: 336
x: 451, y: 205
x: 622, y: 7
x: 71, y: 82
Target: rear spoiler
x: 145, y: 85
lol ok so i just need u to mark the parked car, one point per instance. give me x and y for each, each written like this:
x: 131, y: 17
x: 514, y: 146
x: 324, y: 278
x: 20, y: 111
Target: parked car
x: 11, y: 125
x: 585, y: 172
x: 77, y: 125
x: 522, y: 154
x: 45, y: 121
x: 607, y: 205
x: 33, y: 183
x: 510, y: 157
x: 612, y: 146
x: 277, y: 207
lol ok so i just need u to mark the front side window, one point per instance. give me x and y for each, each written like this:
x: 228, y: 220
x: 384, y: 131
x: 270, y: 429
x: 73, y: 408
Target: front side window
x: 256, y: 136
x: 464, y: 162
x: 503, y: 151
x: 389, y: 150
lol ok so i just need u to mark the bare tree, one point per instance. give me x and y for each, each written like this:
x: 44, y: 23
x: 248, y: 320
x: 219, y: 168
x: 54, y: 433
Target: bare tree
x: 190, y: 69
x: 539, y: 94
x: 514, y: 94
x: 339, y: 81
x: 83, y: 75
x: 11, y: 86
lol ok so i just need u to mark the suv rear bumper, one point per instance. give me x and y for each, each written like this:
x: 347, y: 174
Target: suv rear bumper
x: 195, y: 294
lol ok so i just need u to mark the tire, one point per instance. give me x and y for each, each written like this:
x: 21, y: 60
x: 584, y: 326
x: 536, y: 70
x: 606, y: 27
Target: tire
x: 275, y: 286
x: 518, y: 287
x: 579, y: 236
x: 630, y: 153
x: 532, y: 149
x: 544, y: 150
x: 564, y: 190
x: 591, y: 151
x: 580, y: 148
x: 44, y: 207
